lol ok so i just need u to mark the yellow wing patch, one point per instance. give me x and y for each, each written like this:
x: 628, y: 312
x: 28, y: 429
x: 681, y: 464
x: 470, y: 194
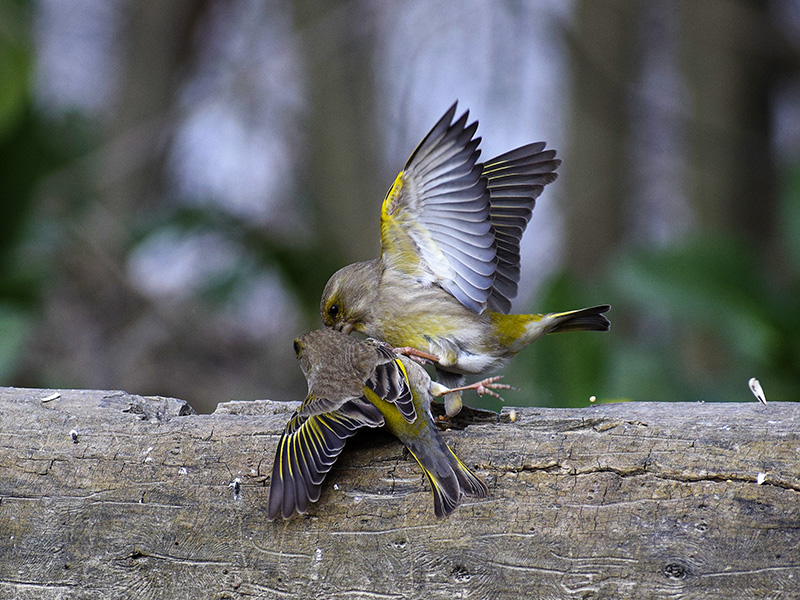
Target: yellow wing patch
x: 392, y: 196
x: 435, y: 218
x: 398, y: 249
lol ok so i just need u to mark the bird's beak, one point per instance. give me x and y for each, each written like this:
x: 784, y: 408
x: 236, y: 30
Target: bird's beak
x: 346, y: 328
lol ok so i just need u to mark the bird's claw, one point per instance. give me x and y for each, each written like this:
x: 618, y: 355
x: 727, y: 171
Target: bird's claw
x: 486, y: 386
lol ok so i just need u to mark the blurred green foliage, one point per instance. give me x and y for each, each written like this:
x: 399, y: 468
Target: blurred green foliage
x: 32, y: 147
x: 19, y: 169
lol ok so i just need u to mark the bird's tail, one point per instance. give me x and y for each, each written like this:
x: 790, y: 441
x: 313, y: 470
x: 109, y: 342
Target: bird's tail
x: 450, y: 479
x: 584, y: 319
x: 514, y: 332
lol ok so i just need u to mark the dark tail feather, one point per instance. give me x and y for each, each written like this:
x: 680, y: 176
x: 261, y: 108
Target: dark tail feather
x: 445, y: 489
x: 470, y: 483
x: 449, y: 478
x: 585, y: 319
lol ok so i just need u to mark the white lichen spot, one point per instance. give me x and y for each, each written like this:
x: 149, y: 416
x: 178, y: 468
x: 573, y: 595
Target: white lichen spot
x: 236, y: 485
x: 148, y: 459
x: 183, y: 471
x: 315, y: 565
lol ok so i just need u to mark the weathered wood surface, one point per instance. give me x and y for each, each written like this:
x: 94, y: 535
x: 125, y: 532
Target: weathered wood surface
x: 626, y: 500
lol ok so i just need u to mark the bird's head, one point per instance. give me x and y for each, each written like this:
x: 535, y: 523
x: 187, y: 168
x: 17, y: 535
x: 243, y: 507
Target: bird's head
x: 348, y: 297
x: 311, y: 349
x: 302, y: 355
x: 335, y: 365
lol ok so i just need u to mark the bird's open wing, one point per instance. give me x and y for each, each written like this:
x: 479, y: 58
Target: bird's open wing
x: 515, y: 179
x: 307, y: 450
x: 435, y: 218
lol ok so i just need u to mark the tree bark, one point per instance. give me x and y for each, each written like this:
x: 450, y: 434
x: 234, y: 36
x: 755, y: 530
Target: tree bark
x: 109, y: 495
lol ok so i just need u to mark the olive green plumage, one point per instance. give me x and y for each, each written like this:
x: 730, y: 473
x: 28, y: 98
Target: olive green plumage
x: 450, y: 261
x: 354, y: 384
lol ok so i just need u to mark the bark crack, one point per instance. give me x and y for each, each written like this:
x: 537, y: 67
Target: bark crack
x: 642, y: 469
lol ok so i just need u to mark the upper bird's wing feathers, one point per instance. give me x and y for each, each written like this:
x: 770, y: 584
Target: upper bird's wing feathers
x: 435, y: 218
x: 515, y: 180
x: 451, y: 220
x: 390, y: 383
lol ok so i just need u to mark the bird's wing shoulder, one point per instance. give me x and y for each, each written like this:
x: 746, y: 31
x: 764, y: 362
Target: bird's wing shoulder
x: 435, y: 218
x: 390, y: 383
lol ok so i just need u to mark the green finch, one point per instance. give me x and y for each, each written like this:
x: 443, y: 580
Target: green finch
x: 450, y: 261
x: 353, y: 384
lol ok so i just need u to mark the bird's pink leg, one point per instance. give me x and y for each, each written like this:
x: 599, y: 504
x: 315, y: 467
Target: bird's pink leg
x: 414, y: 354
x: 417, y: 354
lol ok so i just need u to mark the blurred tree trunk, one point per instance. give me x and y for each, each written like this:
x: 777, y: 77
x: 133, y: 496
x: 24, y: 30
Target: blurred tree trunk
x: 726, y: 46
x: 96, y: 329
x: 343, y: 139
x: 731, y: 172
x: 603, y: 62
x: 156, y: 46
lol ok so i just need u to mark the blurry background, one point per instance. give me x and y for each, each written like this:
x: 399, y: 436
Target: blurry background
x: 178, y: 180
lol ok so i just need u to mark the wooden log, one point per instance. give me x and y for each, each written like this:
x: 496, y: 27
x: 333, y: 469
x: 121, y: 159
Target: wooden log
x: 108, y: 495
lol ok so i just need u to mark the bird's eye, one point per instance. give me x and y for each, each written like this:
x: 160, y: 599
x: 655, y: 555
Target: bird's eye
x: 333, y: 311
x: 297, y: 348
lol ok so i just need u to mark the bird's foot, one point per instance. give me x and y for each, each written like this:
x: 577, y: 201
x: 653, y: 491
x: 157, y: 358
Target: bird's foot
x: 485, y: 386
